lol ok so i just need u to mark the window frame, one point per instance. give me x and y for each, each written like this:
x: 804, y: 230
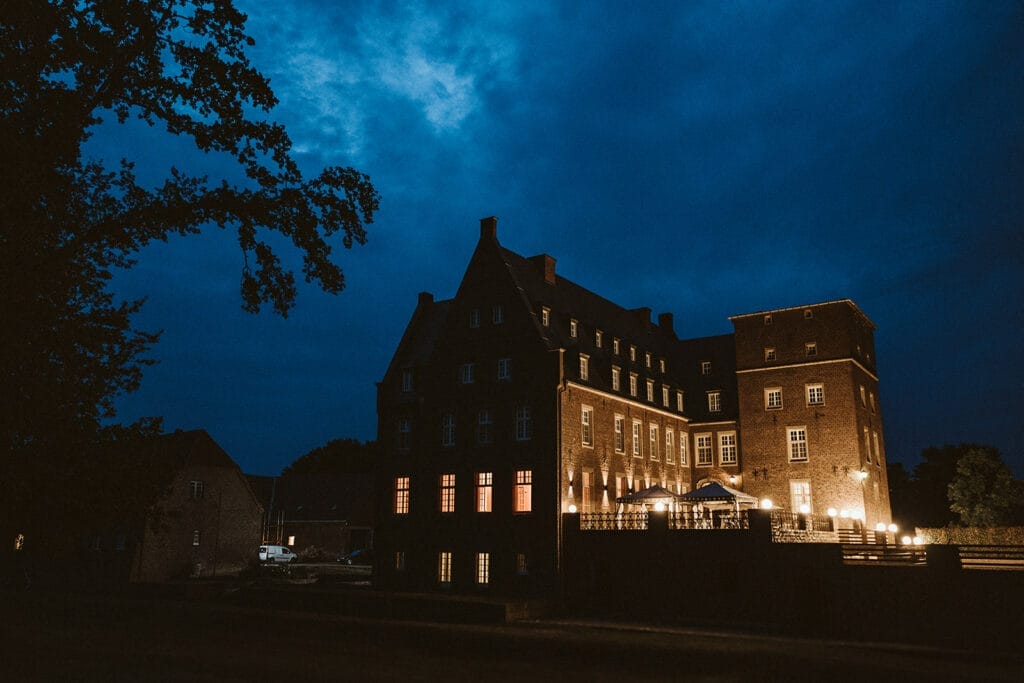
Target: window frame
x: 522, y: 493
x: 587, y: 426
x: 715, y: 401
x: 653, y: 441
x: 707, y: 448
x: 769, y: 404
x: 638, y: 451
x: 447, y: 429
x: 504, y: 369
x: 446, y: 493
x: 401, y: 499
x: 484, y: 427
x: 524, y: 423
x: 484, y: 491
x: 815, y: 388
x: 584, y: 367
x: 732, y: 448
x: 800, y: 446
x: 619, y: 431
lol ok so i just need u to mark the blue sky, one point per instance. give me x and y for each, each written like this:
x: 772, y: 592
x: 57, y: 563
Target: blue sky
x: 706, y: 159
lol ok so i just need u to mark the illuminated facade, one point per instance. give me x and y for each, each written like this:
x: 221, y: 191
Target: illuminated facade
x: 526, y: 396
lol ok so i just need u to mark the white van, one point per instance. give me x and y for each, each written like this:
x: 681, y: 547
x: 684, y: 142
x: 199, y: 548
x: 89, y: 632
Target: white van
x: 277, y: 553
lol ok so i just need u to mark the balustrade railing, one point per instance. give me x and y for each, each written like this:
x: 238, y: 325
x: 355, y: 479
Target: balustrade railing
x: 613, y: 521
x: 686, y: 520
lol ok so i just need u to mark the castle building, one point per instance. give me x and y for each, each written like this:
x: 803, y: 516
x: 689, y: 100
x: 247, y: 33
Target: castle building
x: 527, y: 396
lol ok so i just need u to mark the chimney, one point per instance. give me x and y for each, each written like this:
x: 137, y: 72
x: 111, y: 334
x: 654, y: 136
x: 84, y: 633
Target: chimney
x: 489, y: 228
x: 545, y: 265
x: 425, y: 299
x: 665, y: 323
x: 642, y: 315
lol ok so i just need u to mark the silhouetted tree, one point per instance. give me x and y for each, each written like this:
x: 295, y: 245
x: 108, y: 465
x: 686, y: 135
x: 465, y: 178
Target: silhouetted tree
x: 932, y: 477
x: 983, y: 492
x: 67, y: 347
x: 339, y: 456
x: 901, y: 495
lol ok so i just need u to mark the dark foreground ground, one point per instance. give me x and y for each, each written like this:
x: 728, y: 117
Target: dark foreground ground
x: 57, y: 637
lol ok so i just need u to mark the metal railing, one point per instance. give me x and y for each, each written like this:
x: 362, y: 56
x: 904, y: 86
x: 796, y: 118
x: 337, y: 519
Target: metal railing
x: 999, y: 557
x: 686, y: 520
x: 613, y: 521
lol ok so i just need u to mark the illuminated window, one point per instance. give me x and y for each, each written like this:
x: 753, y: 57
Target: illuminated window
x: 647, y: 359
x: 661, y: 365
x: 863, y: 396
x: 404, y: 429
x: 878, y: 449
x: 664, y: 396
x: 484, y: 487
x: 679, y: 401
x: 524, y: 424
x: 545, y: 316
x: 573, y: 329
x: 615, y: 346
x: 811, y: 349
x: 615, y: 377
x: 195, y: 489
x: 504, y: 369
x: 632, y: 352
x: 714, y: 401
x: 483, y: 568
x: 650, y: 390
x: 773, y: 398
x: 705, y: 367
x: 587, y: 491
x: 400, y: 561
x: 797, y: 437
x: 727, y: 448
x: 466, y: 372
x: 195, y: 537
x: 867, y: 444
x: 407, y: 380
x: 484, y: 427
x: 652, y: 432
x: 705, y: 451
x: 800, y: 495
x: 636, y: 440
x: 682, y: 447
x: 587, y: 426
x: 497, y: 314
x: 815, y: 394
x: 522, y: 568
x: 632, y: 384
x: 670, y: 446
x: 448, y: 429
x: 598, y: 338
x: 524, y: 491
x: 620, y: 438
x: 447, y: 493
x: 584, y: 367
x: 19, y: 542
x: 401, y: 495
x: 444, y: 567
x: 769, y: 354
x: 474, y: 317
x: 871, y: 400
x: 291, y: 540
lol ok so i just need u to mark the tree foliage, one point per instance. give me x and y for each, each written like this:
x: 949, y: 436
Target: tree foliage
x: 67, y: 222
x: 983, y: 492
x: 339, y: 456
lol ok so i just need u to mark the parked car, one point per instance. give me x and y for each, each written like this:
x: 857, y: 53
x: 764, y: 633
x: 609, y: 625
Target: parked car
x: 357, y: 556
x: 277, y: 553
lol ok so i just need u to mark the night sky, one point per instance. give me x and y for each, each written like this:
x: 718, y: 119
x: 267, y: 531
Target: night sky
x: 706, y: 159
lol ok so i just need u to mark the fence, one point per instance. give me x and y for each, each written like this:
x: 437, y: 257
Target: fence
x: 686, y: 520
x: 614, y: 521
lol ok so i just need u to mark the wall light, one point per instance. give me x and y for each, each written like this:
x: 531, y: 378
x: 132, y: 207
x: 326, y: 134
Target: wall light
x: 918, y: 540
x: 732, y: 479
x: 892, y: 528
x: 844, y: 513
x: 880, y: 526
x: 906, y: 540
x: 804, y: 508
x: 767, y: 504
x: 572, y: 509
x: 659, y: 507
x: 832, y: 512
x: 862, y: 475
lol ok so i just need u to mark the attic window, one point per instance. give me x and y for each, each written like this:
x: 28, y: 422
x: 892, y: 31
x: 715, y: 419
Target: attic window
x: 598, y: 338
x: 545, y: 316
x: 808, y: 314
x: 573, y: 331
x: 768, y: 319
x: 615, y: 346
x: 705, y: 367
x: 195, y: 489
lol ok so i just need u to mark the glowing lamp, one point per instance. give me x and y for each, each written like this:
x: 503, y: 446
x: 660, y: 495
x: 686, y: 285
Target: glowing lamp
x: 880, y: 526
x: 767, y: 504
x: 858, y: 514
x: 659, y: 506
x: 804, y: 508
x: 832, y: 512
x: 572, y: 509
x: 892, y: 528
x: 918, y: 540
x: 732, y: 479
x: 844, y: 513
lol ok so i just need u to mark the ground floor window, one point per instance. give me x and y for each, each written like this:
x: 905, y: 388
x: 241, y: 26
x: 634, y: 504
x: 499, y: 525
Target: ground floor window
x: 400, y: 561
x: 483, y: 568
x: 521, y: 566
x: 444, y: 567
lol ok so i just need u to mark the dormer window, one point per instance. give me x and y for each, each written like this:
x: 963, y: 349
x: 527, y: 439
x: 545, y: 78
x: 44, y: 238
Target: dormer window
x: 573, y: 328
x: 545, y: 316
x: 705, y: 367
x: 661, y: 365
x: 584, y: 367
x: 808, y: 314
x: 598, y: 338
x: 811, y: 349
x: 615, y: 346
x: 769, y: 354
x: 632, y: 352
x: 647, y: 359
x: 768, y: 319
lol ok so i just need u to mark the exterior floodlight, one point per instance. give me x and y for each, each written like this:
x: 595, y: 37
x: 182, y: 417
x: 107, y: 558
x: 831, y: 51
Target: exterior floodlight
x: 858, y: 514
x: 832, y: 512
x: 907, y: 540
x: 767, y: 504
x: 732, y: 479
x: 880, y: 526
x: 804, y: 508
x: 862, y: 475
x: 892, y: 528
x: 918, y: 540
x: 659, y: 507
x: 572, y: 509
x: 844, y: 513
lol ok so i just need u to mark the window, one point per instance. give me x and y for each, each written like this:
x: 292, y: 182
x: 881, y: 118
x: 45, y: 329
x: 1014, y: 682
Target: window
x: 466, y: 371
x: 195, y: 489
x: 524, y: 423
x: 195, y: 537
x: 808, y: 314
x: 705, y: 451
x: 632, y: 352
x: 504, y: 369
x: 815, y: 394
x: 521, y: 566
x: 584, y: 367
x: 653, y: 433
x: 447, y: 493
x: 800, y: 496
x: 863, y: 396
x: 647, y: 359
x: 661, y: 365
x: 615, y: 346
x: 768, y: 319
x: 727, y: 448
x: 683, y: 438
x: 587, y: 497
x: 878, y: 449
x: 871, y: 400
x: 705, y: 367
x: 573, y: 328
x: 587, y: 421
x: 484, y: 427
x: 797, y: 437
x: 636, y: 440
x: 620, y: 438
x: 679, y: 401
x: 867, y: 445
x: 444, y: 567
x: 715, y: 401
x: 474, y: 318
x: 769, y: 354
x: 497, y: 314
x: 670, y: 446
x: 811, y: 349
x: 399, y: 560
x: 615, y: 378
x: 773, y: 398
x: 632, y: 384
x: 483, y: 568
x: 650, y: 390
x: 545, y: 316
x: 484, y: 488
x: 407, y: 380
x: 403, y: 432
x: 401, y: 495
x: 524, y: 491
x: 448, y: 429
x: 664, y: 395
x: 598, y: 338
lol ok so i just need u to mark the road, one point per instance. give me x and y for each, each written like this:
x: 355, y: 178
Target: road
x: 47, y: 636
